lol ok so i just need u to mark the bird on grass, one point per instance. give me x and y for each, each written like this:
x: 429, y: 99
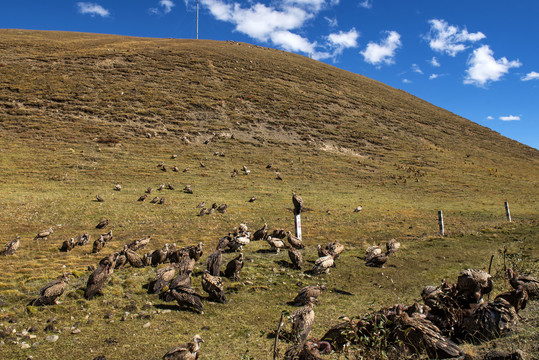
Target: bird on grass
x: 215, y: 260
x: 529, y: 283
x: 50, y: 293
x: 43, y: 235
x: 187, y: 351
x: 234, y: 267
x: 99, y: 198
x: 298, y: 202
x: 98, y: 278
x: 214, y: 286
x: 260, y: 234
x: 294, y: 241
x: 302, y: 321
x: 307, y: 293
x: 296, y: 258
x: 68, y: 245
x: 103, y: 223
x: 139, y: 244
x: 142, y: 197
x: 12, y: 246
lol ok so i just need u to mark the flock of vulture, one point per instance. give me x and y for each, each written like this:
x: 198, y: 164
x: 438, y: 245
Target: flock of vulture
x: 450, y: 312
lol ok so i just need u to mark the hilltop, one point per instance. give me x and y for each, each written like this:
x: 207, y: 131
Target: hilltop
x: 80, y: 113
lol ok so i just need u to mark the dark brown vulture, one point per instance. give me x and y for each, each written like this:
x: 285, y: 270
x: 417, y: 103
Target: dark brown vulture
x: 163, y: 277
x: 43, y: 235
x: 99, y: 244
x: 302, y: 321
x: 215, y: 260
x: 186, y: 263
x: 187, y: 351
x: 234, y: 267
x: 83, y: 239
x: 222, y: 208
x: 309, y: 350
x: 298, y: 203
x: 139, y: 244
x: 294, y: 241
x: 295, y: 258
x: 68, y: 245
x: 213, y: 285
x: 472, y: 284
x: 102, y: 224
x: 490, y: 320
x: 529, y: 283
x: 223, y: 242
x: 155, y: 200
x: 161, y: 201
x: 518, y: 298
x: 170, y: 186
x: 49, y: 294
x: 149, y: 190
x: 186, y: 297
x: 99, y: 198
x: 159, y: 256
x: 12, y: 246
x: 260, y: 234
x: 279, y: 234
x: 182, y: 280
x: 195, y: 251
x: 307, y: 293
x: 142, y: 197
x: 120, y: 259
x: 99, y: 276
x: 133, y: 258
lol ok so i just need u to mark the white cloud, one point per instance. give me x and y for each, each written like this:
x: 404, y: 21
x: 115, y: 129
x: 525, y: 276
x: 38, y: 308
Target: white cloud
x: 417, y: 69
x: 531, y: 76
x: 406, y: 81
x: 367, y: 4
x: 434, y: 62
x: 292, y: 42
x: 485, y: 68
x: 510, y: 118
x: 344, y: 39
x: 92, y: 9
x: 332, y: 22
x: 167, y: 5
x: 434, y: 76
x: 449, y: 39
x: 490, y: 118
x: 376, y: 54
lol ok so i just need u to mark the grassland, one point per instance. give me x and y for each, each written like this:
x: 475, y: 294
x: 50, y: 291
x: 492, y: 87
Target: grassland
x: 82, y: 112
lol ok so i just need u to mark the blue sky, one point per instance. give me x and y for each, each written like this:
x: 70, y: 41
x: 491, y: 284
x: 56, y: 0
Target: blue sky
x: 478, y: 59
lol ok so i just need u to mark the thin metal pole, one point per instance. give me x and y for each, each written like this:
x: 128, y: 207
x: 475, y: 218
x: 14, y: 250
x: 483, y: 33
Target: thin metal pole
x: 441, y: 222
x: 297, y: 223
x: 507, y: 213
x: 197, y: 19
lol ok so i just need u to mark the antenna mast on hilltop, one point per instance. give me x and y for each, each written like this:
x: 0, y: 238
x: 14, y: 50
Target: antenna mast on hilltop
x: 197, y: 19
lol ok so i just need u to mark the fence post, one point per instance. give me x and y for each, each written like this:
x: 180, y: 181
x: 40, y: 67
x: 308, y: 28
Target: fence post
x: 507, y: 213
x: 297, y: 223
x: 441, y: 222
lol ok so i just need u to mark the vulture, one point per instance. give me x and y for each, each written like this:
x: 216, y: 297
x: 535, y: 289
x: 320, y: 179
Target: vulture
x: 108, y: 236
x: 529, y: 283
x: 276, y: 244
x: 295, y: 258
x: 142, y: 197
x: 176, y: 169
x: 102, y: 224
x: 278, y: 176
x: 159, y: 256
x: 298, y: 203
x: 302, y: 321
x: 234, y: 267
x: 187, y: 351
x: 163, y: 277
x: 252, y: 199
x: 133, y: 258
x: 322, y: 265
x: 322, y: 251
x: 155, y: 200
x: 201, y: 205
x: 161, y: 164
x: 68, y: 245
x: 182, y: 280
x: 202, y: 212
x: 99, y: 244
x: 195, y: 251
x: 418, y: 334
x: 83, y: 239
x: 295, y: 242
x: 149, y: 190
x: 12, y: 246
x: 472, y: 284
x: 234, y: 173
x: 215, y: 260
x: 358, y: 209
x: 161, y: 201
x: 223, y: 242
x: 187, y: 189
x: 374, y: 256
x: 186, y: 297
x: 147, y: 259
x: 210, y: 211
x: 516, y: 297
x: 43, y: 235
x: 202, y: 164
x: 335, y: 248
x: 309, y: 350
x: 237, y: 242
x: 392, y: 246
x: 222, y: 208
x: 118, y: 187
x: 170, y: 186
x: 260, y: 234
x: 186, y: 262
x: 490, y: 320
x: 278, y: 233
x: 213, y: 285
x: 121, y: 259
x: 139, y: 244
x: 164, y: 168
x: 174, y: 156
x: 98, y: 278
x: 161, y: 187
x: 99, y: 198
x: 307, y: 293
x: 49, y: 294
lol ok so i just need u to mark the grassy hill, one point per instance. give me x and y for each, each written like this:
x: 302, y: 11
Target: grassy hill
x: 82, y: 112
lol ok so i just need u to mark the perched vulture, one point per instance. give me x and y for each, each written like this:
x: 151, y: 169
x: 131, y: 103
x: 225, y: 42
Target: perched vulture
x: 139, y: 244
x: 516, y: 297
x: 358, y: 209
x: 43, y: 235
x: 186, y: 263
x: 159, y: 256
x: 307, y: 293
x: 215, y: 260
x: 187, y: 189
x: 490, y: 320
x: 120, y: 259
x: 182, y: 280
x: 322, y: 251
x: 195, y: 251
x: 102, y: 224
x: 161, y: 201
x: 260, y: 234
x: 252, y: 199
x: 472, y: 284
x: 223, y: 243
x: 302, y: 321
x: 295, y: 242
x: 155, y: 200
x: 49, y: 294
x: 298, y: 203
x: 142, y: 197
x: 210, y: 211
x: 202, y: 212
x: 222, y: 208
x: 163, y: 277
x: 99, y: 198
x: 419, y: 335
x: 118, y: 187
x: 187, y: 351
x: 279, y: 234
x: 12, y: 246
x: 186, y: 297
x: 133, y: 258
x: 392, y: 246
x: 170, y: 186
x: 213, y: 285
x: 147, y: 259
x: 322, y: 265
x: 529, y: 283
x: 276, y: 244
x: 237, y: 242
x: 161, y: 187
x: 98, y: 278
x: 108, y: 236
x: 335, y: 248
x: 295, y: 258
x: 68, y: 245
x: 309, y: 350
x: 149, y: 190
x: 377, y: 260
x: 176, y: 169
x: 201, y: 205
x: 234, y: 267
x: 83, y: 239
x: 99, y: 244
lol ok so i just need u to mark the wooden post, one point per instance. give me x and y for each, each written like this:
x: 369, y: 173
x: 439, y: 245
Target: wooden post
x: 507, y: 213
x: 441, y: 222
x: 275, y: 350
x: 297, y: 223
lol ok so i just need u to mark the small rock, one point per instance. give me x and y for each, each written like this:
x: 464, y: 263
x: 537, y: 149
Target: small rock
x: 75, y: 331
x: 25, y: 346
x: 166, y: 311
x: 49, y: 328
x: 52, y: 338
x: 147, y: 325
